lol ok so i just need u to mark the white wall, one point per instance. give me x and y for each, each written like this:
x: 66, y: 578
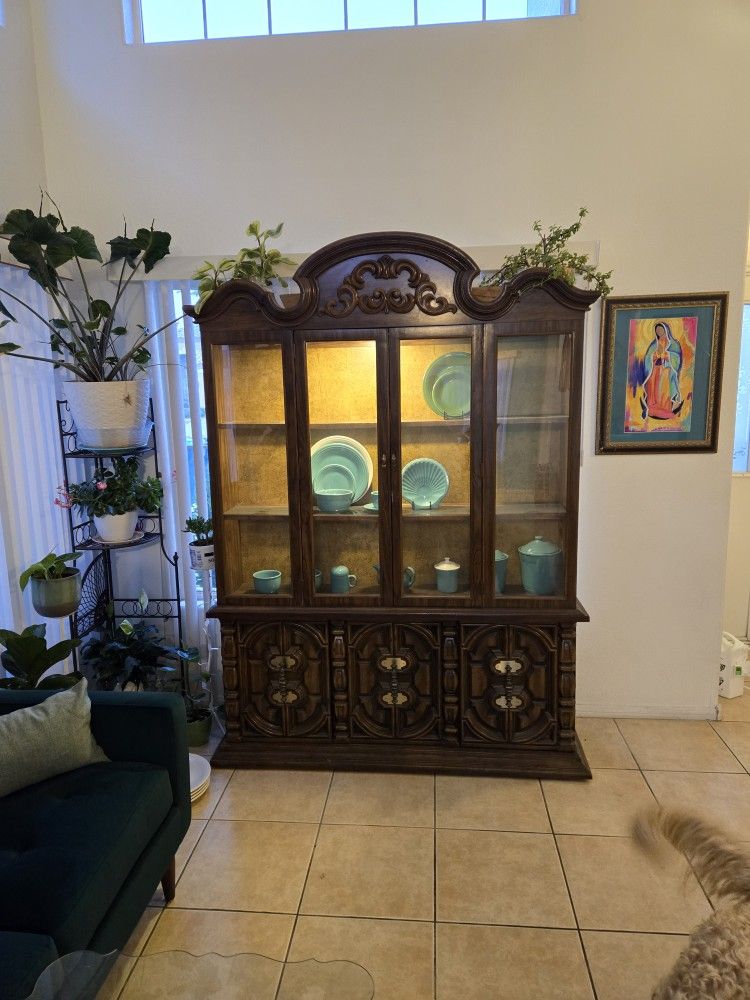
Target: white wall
x: 469, y: 132
x: 22, y: 170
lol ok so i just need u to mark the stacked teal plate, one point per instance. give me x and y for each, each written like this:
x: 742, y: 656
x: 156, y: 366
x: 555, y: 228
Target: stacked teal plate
x: 446, y: 385
x: 341, y: 463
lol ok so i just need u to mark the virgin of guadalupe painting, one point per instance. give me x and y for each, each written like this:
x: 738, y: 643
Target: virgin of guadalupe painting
x: 660, y: 373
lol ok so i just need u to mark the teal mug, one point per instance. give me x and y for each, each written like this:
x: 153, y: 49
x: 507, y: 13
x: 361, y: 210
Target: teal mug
x: 409, y: 576
x: 342, y: 580
x: 501, y: 570
x: 375, y: 499
x: 267, y: 581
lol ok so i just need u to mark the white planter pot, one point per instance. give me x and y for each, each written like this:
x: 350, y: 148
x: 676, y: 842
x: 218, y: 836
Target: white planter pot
x: 202, y: 557
x: 110, y: 414
x: 116, y: 528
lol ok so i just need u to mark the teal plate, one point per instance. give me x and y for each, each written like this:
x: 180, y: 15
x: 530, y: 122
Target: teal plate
x: 337, y: 459
x: 424, y: 483
x: 446, y: 385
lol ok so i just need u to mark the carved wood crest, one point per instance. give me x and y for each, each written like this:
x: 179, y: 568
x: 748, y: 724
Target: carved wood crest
x: 350, y: 294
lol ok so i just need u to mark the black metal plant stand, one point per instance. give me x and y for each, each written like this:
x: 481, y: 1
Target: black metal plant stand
x: 100, y: 607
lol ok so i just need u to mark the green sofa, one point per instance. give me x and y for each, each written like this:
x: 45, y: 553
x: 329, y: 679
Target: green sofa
x: 82, y: 853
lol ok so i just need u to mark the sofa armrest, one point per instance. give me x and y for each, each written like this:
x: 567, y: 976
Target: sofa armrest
x: 144, y: 727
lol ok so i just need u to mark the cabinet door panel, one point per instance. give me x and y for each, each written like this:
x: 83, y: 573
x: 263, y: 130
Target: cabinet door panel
x: 509, y: 676
x: 393, y: 679
x: 283, y: 680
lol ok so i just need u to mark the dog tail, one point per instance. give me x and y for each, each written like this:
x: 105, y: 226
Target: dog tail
x: 723, y: 869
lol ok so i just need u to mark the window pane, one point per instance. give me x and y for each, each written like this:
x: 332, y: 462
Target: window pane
x: 236, y: 18
x: 380, y: 13
x: 448, y: 11
x: 500, y: 9
x: 290, y: 16
x: 742, y: 425
x: 172, y: 20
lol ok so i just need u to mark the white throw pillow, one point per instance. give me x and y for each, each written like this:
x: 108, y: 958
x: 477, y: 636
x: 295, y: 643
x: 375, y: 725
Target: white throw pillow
x: 50, y: 738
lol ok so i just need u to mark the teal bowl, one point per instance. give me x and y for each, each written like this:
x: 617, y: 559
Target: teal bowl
x: 267, y: 581
x: 333, y: 501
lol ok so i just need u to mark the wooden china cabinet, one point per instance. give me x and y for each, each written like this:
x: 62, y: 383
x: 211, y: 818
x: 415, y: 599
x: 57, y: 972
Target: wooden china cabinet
x: 396, y: 674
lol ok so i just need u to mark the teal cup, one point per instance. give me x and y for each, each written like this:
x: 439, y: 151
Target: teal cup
x: 375, y: 499
x: 342, y: 580
x: 501, y: 570
x: 267, y: 581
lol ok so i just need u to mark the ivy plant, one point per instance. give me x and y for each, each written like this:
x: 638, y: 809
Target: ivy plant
x: 52, y: 567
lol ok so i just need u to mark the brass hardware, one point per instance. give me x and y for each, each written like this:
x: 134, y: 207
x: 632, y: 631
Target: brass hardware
x: 507, y: 666
x: 383, y: 460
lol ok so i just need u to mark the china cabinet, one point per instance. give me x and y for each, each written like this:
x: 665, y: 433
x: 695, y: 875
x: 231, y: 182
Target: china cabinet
x: 384, y: 441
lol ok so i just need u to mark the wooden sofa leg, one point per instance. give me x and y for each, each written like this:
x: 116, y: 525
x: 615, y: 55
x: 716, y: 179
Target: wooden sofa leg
x: 168, y: 881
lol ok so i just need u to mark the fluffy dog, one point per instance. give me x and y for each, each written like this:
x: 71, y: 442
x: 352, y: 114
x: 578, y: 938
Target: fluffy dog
x: 715, y: 965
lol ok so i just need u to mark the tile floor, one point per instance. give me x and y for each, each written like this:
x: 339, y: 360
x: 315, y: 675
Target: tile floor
x: 449, y: 888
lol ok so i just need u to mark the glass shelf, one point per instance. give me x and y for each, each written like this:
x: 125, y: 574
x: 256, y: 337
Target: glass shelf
x: 455, y: 512
x: 529, y: 511
x: 534, y: 418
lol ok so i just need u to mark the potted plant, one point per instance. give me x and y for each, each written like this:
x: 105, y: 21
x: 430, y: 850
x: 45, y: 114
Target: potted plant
x: 109, y: 404
x: 114, y: 498
x: 255, y: 263
x: 202, y: 547
x: 551, y: 252
x: 27, y: 657
x: 132, y: 655
x: 55, y: 586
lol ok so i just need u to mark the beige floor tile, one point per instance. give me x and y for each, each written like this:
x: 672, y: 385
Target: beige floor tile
x: 239, y: 865
x: 143, y: 929
x: 197, y: 826
x: 177, y: 975
x: 500, y: 878
x: 381, y: 799
x: 736, y: 709
x: 737, y: 737
x: 508, y: 804
x: 224, y: 932
x: 628, y: 966
x: 113, y: 985
x: 398, y: 954
x: 371, y: 871
x: 723, y: 798
x: 509, y: 963
x: 606, y: 805
x: 603, y: 744
x: 204, y: 807
x: 615, y: 887
x: 286, y: 796
x: 676, y: 745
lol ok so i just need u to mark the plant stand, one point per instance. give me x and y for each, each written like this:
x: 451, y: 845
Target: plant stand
x: 101, y: 607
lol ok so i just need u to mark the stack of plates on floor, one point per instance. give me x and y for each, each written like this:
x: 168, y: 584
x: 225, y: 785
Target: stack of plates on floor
x: 200, y: 776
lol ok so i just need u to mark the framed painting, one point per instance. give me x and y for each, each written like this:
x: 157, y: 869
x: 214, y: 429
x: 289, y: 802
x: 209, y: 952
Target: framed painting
x: 660, y: 365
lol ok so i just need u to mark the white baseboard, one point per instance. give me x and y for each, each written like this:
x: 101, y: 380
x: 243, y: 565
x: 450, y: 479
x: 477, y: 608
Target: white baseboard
x: 605, y: 711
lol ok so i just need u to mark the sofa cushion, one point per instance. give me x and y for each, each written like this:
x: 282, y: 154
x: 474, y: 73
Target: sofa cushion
x: 47, y: 739
x: 67, y: 845
x: 23, y: 958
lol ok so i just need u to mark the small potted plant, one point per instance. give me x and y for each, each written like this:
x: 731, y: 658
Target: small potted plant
x: 55, y: 586
x: 27, y: 657
x: 115, y: 498
x: 202, y: 547
x: 132, y: 656
x: 108, y: 402
x: 254, y: 263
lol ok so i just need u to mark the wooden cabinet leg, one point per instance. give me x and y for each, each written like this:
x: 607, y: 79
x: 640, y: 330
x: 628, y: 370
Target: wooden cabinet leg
x: 168, y: 881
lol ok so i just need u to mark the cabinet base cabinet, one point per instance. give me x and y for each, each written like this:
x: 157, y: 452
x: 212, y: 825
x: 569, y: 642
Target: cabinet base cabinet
x: 454, y: 697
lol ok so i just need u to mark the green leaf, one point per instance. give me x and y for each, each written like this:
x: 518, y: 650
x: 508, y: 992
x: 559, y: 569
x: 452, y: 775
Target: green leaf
x: 141, y: 357
x: 84, y: 243
x: 5, y: 312
x: 8, y: 348
x: 155, y: 246
x: 98, y: 309
x: 29, y: 252
x: 122, y: 247
x: 92, y: 325
x: 60, y: 324
x: 18, y: 220
x: 273, y: 233
x: 119, y: 331
x: 36, y: 569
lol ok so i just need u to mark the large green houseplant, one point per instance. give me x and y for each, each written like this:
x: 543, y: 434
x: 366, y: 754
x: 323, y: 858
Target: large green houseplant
x: 27, y: 657
x: 114, y: 498
x: 87, y: 337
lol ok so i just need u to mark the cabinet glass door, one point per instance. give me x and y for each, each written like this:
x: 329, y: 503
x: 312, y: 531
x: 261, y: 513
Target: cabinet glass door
x: 530, y: 427
x: 252, y: 501
x: 438, y: 378
x: 344, y: 399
